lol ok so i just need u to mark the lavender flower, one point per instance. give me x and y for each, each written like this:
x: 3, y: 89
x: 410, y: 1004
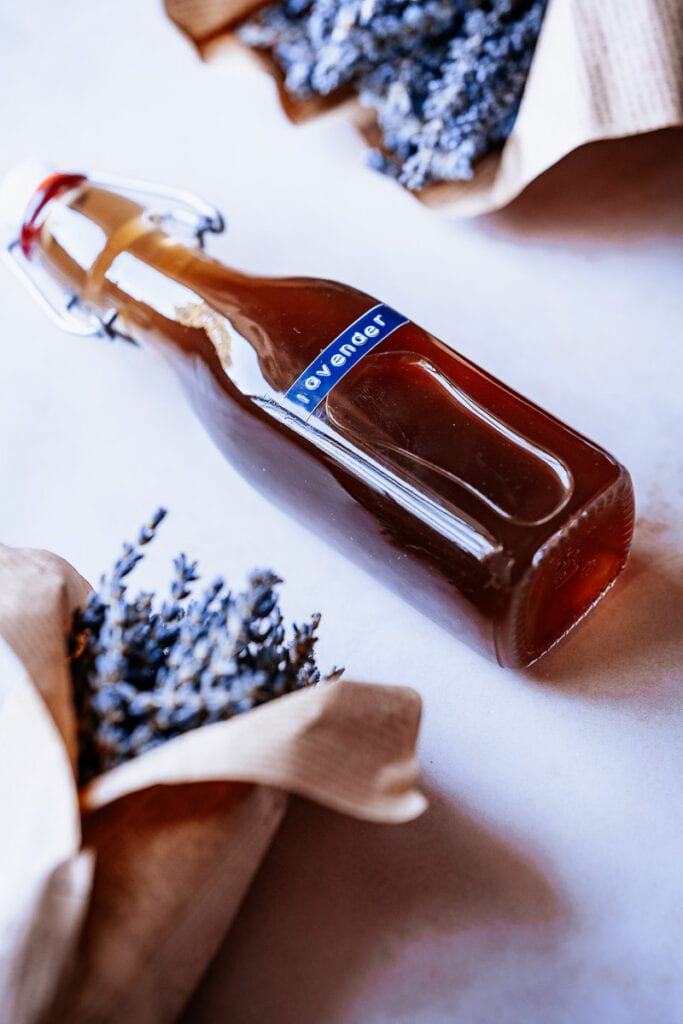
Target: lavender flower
x: 144, y: 674
x: 445, y: 77
x: 327, y: 43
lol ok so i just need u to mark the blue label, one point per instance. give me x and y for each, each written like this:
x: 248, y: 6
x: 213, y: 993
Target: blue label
x: 342, y: 354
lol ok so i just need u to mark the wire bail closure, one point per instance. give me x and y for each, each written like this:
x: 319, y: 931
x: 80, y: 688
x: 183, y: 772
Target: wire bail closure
x: 173, y: 210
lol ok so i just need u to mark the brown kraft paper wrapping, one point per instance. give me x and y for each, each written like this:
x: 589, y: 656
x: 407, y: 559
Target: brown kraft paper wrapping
x: 602, y: 69
x: 115, y: 897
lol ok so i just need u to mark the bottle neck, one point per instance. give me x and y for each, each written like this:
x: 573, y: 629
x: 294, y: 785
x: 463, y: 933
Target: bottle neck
x: 113, y: 255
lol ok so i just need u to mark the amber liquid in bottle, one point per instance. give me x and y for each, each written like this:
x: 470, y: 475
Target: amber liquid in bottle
x: 482, y: 509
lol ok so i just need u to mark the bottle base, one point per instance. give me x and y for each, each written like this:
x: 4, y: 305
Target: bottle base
x: 569, y: 574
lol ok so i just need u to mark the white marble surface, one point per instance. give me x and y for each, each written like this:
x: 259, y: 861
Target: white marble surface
x: 544, y: 885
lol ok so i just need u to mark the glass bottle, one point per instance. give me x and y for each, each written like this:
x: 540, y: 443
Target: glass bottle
x: 485, y: 511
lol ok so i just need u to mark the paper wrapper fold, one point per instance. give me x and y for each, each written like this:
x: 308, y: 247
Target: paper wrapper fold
x: 602, y: 69
x: 115, y: 898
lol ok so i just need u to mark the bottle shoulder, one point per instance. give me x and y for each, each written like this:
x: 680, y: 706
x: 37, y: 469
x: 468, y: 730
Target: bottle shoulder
x: 288, y: 321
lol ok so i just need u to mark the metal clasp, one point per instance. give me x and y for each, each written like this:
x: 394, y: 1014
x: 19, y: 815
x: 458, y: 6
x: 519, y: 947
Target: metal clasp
x: 170, y: 208
x: 193, y: 215
x: 62, y: 306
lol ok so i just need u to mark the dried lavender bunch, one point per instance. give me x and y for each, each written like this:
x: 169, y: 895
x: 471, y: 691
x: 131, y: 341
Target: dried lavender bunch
x: 446, y: 77
x: 324, y: 44
x: 144, y: 673
x: 438, y: 117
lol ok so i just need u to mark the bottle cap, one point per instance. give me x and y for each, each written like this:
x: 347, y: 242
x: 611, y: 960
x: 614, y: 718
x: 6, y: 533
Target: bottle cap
x: 17, y: 188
